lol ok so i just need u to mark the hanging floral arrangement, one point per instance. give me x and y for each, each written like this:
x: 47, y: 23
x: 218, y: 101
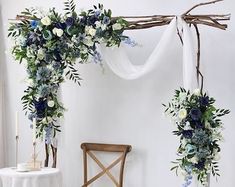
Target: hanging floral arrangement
x: 199, y: 127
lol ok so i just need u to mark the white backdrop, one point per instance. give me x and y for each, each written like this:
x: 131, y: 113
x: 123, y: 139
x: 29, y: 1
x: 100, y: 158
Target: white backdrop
x: 1, y: 97
x: 108, y: 109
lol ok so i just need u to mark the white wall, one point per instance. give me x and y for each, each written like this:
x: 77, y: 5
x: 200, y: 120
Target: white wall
x: 111, y: 110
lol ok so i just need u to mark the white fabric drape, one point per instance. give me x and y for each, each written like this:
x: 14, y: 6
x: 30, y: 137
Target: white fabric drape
x: 120, y: 64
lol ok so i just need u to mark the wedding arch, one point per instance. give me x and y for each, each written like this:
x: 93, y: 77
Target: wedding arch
x: 52, y: 43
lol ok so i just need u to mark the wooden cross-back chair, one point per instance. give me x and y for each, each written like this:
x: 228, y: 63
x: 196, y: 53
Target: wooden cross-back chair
x: 90, y: 148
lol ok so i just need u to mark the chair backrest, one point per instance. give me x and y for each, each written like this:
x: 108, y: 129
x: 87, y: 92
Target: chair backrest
x: 90, y: 148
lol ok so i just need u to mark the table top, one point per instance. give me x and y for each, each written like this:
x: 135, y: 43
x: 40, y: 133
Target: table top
x: 14, y: 173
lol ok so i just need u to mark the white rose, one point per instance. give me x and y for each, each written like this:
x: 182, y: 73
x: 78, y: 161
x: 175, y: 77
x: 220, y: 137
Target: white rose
x: 58, y: 32
x: 51, y: 103
x: 54, y: 31
x: 46, y: 21
x: 117, y: 26
x: 182, y: 113
x: 197, y: 92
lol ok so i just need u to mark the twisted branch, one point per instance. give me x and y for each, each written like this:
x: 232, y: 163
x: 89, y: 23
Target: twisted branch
x: 144, y: 22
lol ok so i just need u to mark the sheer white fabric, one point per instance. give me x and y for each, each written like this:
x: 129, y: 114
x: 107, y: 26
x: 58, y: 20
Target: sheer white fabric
x: 120, y: 64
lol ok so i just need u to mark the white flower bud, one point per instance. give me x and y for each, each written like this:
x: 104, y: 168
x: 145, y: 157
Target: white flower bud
x: 46, y: 21
x: 51, y: 103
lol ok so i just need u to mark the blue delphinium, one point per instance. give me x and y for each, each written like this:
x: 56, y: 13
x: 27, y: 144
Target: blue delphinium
x: 130, y: 42
x: 97, y: 57
x: 188, y: 180
x: 34, y: 24
x: 31, y: 116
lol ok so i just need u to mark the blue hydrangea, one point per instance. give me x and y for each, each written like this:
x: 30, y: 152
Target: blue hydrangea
x: 203, y: 153
x: 44, y: 90
x: 200, y: 137
x: 43, y: 74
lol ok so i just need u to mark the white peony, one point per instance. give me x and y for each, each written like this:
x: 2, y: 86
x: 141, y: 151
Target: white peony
x: 117, y: 26
x: 51, y: 103
x: 197, y: 92
x: 46, y: 21
x: 58, y: 32
x: 182, y: 113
